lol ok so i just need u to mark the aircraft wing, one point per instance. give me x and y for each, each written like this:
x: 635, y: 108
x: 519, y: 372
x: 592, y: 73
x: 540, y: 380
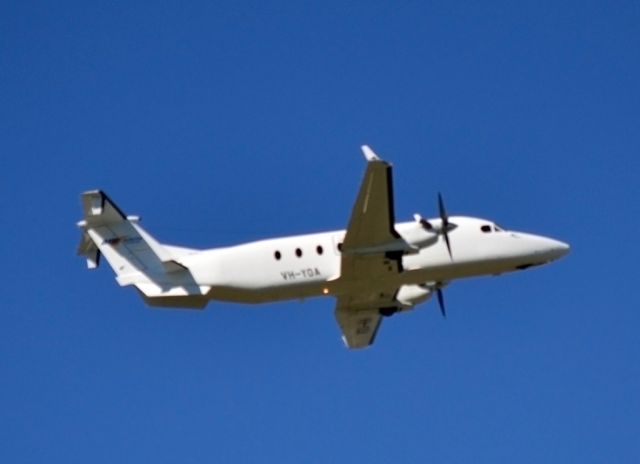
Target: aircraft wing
x: 372, y: 247
x: 359, y: 314
x: 359, y: 326
x: 372, y: 218
x: 371, y: 257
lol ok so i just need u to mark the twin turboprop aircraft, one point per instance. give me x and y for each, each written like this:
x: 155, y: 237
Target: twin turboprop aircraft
x: 374, y: 268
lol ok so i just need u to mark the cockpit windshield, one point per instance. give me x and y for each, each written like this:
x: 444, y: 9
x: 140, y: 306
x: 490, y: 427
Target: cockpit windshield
x: 487, y: 228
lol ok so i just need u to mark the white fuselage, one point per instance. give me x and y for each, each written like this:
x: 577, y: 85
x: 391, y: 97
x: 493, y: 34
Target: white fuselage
x: 309, y: 265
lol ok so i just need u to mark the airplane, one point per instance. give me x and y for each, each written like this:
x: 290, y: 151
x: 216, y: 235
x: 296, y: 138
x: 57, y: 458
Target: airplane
x: 374, y: 269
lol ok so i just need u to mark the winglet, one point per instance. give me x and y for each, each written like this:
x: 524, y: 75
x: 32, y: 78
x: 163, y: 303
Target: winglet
x: 369, y: 154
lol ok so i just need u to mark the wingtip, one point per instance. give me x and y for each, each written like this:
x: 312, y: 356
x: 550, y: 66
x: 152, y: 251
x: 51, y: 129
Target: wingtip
x: 369, y: 154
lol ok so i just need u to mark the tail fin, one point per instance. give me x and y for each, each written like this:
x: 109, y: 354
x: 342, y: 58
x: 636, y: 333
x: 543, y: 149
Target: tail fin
x: 134, y: 255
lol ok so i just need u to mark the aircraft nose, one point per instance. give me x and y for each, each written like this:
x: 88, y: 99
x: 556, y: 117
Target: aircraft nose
x: 556, y: 248
x: 542, y: 249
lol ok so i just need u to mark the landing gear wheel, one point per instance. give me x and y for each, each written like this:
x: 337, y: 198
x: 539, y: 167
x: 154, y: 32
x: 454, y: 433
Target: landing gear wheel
x: 388, y: 312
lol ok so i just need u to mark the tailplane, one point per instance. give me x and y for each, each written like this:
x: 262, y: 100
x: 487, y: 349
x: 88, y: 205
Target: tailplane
x: 135, y: 256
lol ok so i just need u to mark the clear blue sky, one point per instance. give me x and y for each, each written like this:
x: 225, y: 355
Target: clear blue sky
x: 225, y: 122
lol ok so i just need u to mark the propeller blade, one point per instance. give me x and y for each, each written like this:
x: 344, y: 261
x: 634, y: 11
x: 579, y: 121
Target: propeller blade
x: 445, y: 234
x: 443, y: 211
x: 441, y: 303
x: 445, y: 223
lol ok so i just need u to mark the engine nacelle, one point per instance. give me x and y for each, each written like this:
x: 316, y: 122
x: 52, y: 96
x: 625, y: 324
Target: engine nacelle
x: 416, y: 235
x: 410, y: 295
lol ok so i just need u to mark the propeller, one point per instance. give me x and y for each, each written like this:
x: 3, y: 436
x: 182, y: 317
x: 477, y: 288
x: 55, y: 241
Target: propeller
x: 445, y: 227
x: 445, y: 223
x: 441, y: 302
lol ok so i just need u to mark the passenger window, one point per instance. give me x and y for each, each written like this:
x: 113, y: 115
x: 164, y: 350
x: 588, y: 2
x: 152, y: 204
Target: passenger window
x: 298, y: 252
x: 277, y: 255
x: 485, y: 228
x: 319, y: 249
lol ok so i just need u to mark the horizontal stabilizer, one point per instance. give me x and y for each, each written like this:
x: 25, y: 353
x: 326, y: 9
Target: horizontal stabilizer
x: 98, y: 207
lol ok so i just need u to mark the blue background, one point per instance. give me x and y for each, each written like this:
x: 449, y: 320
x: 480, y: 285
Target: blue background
x: 221, y: 123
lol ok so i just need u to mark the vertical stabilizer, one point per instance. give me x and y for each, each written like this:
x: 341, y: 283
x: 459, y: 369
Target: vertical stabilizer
x: 134, y: 255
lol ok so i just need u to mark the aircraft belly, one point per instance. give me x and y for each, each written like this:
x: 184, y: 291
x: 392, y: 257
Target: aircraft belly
x: 264, y: 295
x: 254, y: 281
x: 458, y: 270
